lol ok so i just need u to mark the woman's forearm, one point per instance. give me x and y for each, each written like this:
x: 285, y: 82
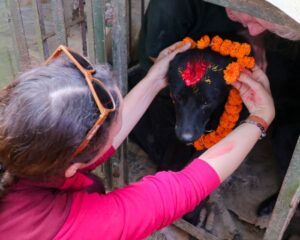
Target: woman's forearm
x: 135, y: 104
x: 228, y: 154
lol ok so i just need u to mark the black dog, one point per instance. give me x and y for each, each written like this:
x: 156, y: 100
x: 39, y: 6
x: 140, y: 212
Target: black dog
x: 190, y: 110
x: 199, y: 106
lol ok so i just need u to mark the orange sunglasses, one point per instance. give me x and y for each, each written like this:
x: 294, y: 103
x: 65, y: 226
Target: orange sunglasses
x: 97, y: 88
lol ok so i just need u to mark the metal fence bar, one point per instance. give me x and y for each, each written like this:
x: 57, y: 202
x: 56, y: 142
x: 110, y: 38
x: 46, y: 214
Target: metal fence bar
x: 120, y: 65
x: 59, y: 21
x: 19, y: 39
x: 40, y: 28
x: 288, y: 199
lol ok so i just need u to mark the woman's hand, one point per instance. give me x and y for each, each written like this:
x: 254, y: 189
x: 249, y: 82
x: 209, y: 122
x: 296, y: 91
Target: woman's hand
x: 254, y: 88
x: 161, y: 64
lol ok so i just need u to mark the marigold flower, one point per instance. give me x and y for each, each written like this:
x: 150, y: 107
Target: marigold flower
x: 232, y: 108
x: 203, y: 42
x: 232, y: 72
x: 189, y: 40
x: 199, y: 145
x: 234, y: 101
x: 244, y: 50
x: 216, y: 43
x: 227, y: 124
x: 226, y: 47
x: 235, y: 49
x: 246, y: 62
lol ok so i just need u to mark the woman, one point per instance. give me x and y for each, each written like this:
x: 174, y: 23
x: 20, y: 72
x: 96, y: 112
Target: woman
x: 49, y: 139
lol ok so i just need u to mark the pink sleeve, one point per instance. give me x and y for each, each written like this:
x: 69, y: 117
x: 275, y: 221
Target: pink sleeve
x: 137, y: 210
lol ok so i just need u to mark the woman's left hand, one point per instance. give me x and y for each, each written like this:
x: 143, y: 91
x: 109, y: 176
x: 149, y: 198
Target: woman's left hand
x: 161, y: 64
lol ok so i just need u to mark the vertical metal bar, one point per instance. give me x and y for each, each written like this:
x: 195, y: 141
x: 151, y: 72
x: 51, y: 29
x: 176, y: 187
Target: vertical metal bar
x: 120, y: 65
x: 19, y: 39
x: 288, y: 199
x: 40, y: 28
x: 83, y: 27
x: 59, y: 21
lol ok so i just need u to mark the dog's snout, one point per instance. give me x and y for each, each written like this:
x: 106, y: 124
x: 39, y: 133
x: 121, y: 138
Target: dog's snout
x: 187, y: 136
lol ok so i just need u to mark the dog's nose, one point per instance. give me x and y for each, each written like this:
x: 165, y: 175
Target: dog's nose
x: 187, y: 136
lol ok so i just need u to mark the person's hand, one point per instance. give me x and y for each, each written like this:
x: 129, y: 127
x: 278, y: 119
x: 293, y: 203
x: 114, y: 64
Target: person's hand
x: 254, y: 88
x: 161, y: 64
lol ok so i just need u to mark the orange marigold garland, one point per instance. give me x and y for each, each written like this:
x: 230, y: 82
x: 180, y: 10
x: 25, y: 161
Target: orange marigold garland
x: 233, y: 106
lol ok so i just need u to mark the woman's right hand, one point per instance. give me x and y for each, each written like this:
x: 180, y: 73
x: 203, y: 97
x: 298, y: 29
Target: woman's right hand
x: 254, y: 88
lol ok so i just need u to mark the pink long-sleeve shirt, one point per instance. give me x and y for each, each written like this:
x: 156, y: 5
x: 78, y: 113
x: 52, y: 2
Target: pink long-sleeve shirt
x: 74, y: 210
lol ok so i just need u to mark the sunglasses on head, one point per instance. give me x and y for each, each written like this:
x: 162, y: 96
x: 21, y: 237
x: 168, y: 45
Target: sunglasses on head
x: 102, y: 96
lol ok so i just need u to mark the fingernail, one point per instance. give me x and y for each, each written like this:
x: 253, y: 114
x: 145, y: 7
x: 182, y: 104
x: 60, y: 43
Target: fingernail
x: 188, y: 44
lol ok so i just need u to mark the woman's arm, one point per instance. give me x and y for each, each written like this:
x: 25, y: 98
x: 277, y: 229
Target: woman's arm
x: 139, y: 98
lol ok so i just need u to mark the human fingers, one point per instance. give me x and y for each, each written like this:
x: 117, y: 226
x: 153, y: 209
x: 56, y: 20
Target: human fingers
x: 256, y: 98
x: 259, y: 75
x: 172, y: 50
x: 253, y: 84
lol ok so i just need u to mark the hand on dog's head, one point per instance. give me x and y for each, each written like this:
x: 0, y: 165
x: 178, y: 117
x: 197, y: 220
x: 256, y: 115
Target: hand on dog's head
x: 199, y: 105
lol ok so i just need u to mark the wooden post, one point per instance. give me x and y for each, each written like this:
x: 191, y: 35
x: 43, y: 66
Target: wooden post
x: 96, y: 31
x: 59, y: 22
x: 9, y: 65
x: 288, y: 199
x: 40, y: 29
x: 19, y: 39
x: 120, y: 67
x: 83, y: 27
x: 194, y: 231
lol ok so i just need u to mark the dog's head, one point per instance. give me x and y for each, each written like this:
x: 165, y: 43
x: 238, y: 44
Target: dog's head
x: 198, y: 90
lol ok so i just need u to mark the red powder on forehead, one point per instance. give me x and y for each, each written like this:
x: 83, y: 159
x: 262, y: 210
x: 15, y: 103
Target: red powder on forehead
x: 193, y: 72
